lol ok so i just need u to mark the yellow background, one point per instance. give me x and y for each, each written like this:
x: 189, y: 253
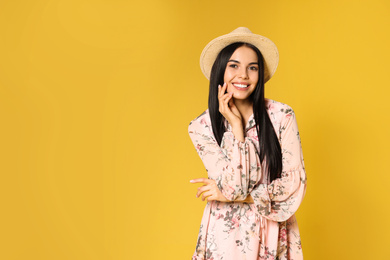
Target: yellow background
x: 95, y: 101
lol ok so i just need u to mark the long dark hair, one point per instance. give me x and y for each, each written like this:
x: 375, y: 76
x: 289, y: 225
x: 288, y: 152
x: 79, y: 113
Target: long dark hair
x: 268, y: 141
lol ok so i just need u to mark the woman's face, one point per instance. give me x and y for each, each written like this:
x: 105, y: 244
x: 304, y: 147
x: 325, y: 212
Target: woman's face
x: 242, y: 73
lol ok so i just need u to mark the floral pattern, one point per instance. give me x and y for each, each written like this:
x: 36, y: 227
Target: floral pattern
x: 267, y: 228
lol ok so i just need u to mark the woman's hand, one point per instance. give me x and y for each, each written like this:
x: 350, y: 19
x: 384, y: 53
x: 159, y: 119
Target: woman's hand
x: 209, y: 190
x: 227, y: 107
x: 231, y: 113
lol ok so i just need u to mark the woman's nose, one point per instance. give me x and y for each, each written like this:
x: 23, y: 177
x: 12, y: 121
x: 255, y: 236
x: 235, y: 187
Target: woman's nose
x: 243, y: 73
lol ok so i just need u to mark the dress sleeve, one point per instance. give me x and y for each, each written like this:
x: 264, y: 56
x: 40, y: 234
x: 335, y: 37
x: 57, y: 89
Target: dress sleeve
x: 280, y: 199
x: 232, y: 165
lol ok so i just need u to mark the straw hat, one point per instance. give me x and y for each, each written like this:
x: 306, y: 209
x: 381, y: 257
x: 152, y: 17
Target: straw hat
x: 242, y: 34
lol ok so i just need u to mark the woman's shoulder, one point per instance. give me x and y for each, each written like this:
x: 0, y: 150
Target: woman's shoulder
x: 203, y: 121
x: 276, y: 107
x: 279, y: 112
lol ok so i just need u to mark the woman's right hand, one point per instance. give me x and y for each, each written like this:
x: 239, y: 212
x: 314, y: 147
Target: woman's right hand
x: 227, y: 107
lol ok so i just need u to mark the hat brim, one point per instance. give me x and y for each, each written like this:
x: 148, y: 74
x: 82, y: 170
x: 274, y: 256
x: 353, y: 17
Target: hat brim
x: 267, y: 48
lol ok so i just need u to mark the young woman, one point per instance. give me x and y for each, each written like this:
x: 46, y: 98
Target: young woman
x: 251, y: 149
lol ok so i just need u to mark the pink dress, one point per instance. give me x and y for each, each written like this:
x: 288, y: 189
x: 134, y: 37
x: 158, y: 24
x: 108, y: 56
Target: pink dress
x: 267, y: 228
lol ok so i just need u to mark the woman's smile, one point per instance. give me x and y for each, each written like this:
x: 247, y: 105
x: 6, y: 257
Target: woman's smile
x: 241, y: 86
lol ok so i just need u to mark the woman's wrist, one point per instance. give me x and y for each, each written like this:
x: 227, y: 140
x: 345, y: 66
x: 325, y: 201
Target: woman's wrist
x: 238, y: 132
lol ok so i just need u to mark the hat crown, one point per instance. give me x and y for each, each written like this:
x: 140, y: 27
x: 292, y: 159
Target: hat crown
x: 241, y: 30
x: 267, y: 48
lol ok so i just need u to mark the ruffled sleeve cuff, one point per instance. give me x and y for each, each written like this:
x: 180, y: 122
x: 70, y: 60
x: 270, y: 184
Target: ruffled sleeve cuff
x: 281, y: 199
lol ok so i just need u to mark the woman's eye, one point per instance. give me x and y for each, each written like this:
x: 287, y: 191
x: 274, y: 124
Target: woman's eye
x: 253, y: 68
x: 233, y: 66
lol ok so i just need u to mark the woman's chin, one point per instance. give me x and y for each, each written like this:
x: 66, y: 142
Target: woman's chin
x: 240, y: 96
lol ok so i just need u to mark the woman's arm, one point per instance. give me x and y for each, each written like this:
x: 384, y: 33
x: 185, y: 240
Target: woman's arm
x: 280, y: 199
x: 232, y: 165
x: 211, y: 191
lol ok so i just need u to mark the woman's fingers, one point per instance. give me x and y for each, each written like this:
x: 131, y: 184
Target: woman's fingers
x: 209, y: 189
x: 212, y: 197
x: 227, y: 99
x: 224, y: 100
x: 231, y: 103
x: 207, y: 194
x: 202, y: 189
x: 226, y: 111
x: 227, y: 107
x: 233, y: 107
x: 201, y: 180
x: 221, y: 90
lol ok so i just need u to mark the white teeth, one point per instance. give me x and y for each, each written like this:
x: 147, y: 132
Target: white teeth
x: 240, y: 85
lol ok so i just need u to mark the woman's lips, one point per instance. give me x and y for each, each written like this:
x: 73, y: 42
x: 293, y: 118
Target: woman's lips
x: 240, y: 86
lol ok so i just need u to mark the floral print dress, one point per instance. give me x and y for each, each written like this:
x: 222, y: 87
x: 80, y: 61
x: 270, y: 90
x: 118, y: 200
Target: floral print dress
x: 267, y: 228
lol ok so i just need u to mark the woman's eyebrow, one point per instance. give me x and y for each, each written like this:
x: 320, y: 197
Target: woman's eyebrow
x: 239, y: 62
